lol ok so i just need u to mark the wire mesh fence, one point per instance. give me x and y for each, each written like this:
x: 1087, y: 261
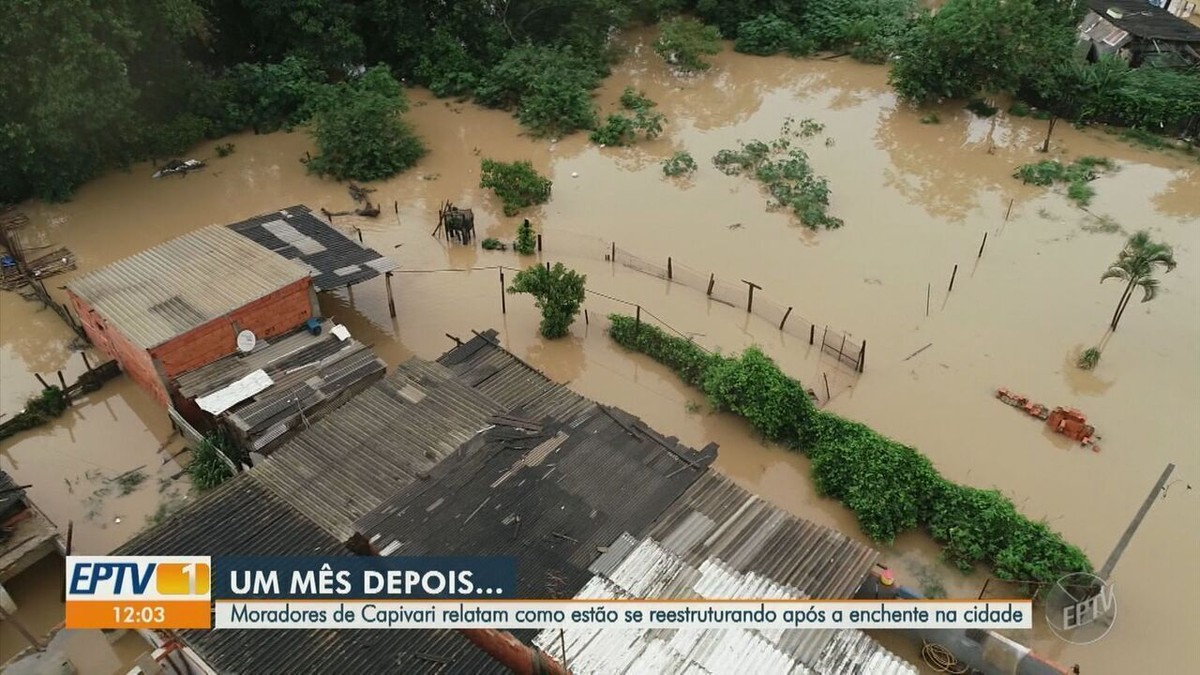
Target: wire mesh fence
x: 743, y: 294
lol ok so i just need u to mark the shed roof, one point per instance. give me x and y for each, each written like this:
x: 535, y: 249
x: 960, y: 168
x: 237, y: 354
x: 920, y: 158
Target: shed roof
x: 335, y: 259
x: 12, y: 496
x: 167, y: 290
x: 1144, y: 20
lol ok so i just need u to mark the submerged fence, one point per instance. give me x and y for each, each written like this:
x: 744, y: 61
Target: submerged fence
x: 735, y: 292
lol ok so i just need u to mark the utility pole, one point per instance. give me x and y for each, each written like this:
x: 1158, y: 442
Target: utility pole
x: 1134, y: 524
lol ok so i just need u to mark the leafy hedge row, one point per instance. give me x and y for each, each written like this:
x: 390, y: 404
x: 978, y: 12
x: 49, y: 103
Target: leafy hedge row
x: 891, y: 487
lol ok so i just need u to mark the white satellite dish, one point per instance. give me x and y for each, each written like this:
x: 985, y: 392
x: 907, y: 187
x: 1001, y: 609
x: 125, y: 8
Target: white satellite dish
x: 246, y: 341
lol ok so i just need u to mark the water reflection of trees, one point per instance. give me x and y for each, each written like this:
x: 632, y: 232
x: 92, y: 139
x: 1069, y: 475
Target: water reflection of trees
x: 945, y: 167
x: 1178, y: 197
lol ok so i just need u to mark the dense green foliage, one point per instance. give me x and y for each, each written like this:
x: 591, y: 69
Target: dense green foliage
x: 359, y: 132
x: 970, y: 46
x: 684, y: 42
x: 517, y: 184
x: 679, y: 164
x: 786, y: 172
x: 768, y: 34
x: 558, y: 292
x: 39, y: 410
x: 891, y: 487
x: 526, y: 242
x: 1076, y: 175
x: 1136, y: 265
x: 493, y: 244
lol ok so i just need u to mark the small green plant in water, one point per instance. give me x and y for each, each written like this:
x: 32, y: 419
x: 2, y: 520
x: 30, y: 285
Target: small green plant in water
x: 1076, y: 175
x: 679, y: 164
x: 128, y: 482
x: 684, y: 43
x: 931, y: 118
x: 493, y: 244
x: 691, y: 407
x: 225, y: 149
x: 517, y: 184
x: 526, y: 242
x: 1089, y: 358
x: 632, y: 99
x: 39, y: 410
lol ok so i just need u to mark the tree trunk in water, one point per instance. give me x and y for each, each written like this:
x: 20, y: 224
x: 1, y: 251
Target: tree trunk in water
x: 1124, y: 305
x: 1049, y: 131
x: 1121, y: 305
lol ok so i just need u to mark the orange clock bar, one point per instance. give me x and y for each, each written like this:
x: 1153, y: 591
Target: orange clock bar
x: 139, y: 614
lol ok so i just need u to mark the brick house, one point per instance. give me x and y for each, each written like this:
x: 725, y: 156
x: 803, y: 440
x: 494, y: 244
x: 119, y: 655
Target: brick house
x: 180, y: 305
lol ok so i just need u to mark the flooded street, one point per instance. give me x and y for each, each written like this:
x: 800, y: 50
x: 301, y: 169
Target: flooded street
x: 916, y: 200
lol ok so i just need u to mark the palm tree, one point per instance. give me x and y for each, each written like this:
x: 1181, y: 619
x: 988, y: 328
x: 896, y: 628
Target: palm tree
x: 1135, y: 265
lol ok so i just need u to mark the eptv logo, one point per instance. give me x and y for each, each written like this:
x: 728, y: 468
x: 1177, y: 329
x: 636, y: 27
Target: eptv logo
x: 138, y: 592
x: 138, y: 577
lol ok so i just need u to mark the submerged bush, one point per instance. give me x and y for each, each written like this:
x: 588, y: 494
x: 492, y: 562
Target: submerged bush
x: 207, y: 469
x: 786, y: 173
x: 1089, y: 358
x: 889, y: 486
x: 558, y: 292
x: 1076, y: 175
x: 768, y: 34
x: 517, y: 184
x: 684, y: 43
x: 40, y: 409
x: 679, y: 164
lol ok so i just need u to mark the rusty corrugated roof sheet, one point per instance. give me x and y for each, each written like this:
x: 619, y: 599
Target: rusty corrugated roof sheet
x: 295, y: 233
x: 181, y: 284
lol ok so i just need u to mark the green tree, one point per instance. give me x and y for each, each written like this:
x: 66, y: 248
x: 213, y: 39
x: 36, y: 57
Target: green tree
x: 359, y: 132
x: 768, y: 34
x: 517, y: 184
x: 526, y: 242
x: 558, y: 292
x: 549, y: 87
x: 1136, y: 265
x: 970, y: 46
x: 684, y: 43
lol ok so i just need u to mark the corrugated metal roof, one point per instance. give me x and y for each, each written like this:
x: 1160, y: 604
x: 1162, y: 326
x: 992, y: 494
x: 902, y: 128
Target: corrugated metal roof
x: 295, y: 233
x: 183, y: 284
x: 646, y: 569
x: 186, y: 282
x: 1145, y: 20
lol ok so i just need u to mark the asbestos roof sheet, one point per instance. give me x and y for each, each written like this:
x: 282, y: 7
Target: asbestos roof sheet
x: 378, y: 442
x: 1144, y: 20
x: 633, y: 568
x: 297, y: 234
x: 241, y: 517
x: 718, y: 519
x: 184, y: 283
x: 12, y: 498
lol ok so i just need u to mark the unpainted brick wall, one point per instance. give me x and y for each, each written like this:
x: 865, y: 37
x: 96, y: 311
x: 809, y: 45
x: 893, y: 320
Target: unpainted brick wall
x: 279, y: 312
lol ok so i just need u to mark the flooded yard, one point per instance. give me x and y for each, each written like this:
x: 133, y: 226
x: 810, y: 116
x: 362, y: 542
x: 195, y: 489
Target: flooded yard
x: 916, y: 199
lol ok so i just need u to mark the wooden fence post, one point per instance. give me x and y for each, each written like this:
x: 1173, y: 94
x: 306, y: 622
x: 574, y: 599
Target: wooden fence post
x: 503, y: 300
x: 639, y: 317
x: 785, y: 317
x: 750, y: 300
x: 981, y: 246
x: 586, y: 322
x: 862, y: 356
x: 952, y: 275
x: 712, y: 279
x: 387, y: 281
x: 928, y: 290
x: 670, y: 272
x: 539, y: 242
x: 614, y: 251
x: 812, y: 333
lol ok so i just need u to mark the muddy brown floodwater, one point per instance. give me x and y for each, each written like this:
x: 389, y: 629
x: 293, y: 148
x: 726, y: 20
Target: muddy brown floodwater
x: 916, y: 199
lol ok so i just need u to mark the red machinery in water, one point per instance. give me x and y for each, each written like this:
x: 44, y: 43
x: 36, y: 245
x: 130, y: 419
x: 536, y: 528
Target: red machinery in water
x: 1067, y: 421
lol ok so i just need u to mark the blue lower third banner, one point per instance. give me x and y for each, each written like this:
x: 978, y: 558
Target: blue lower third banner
x: 363, y: 578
